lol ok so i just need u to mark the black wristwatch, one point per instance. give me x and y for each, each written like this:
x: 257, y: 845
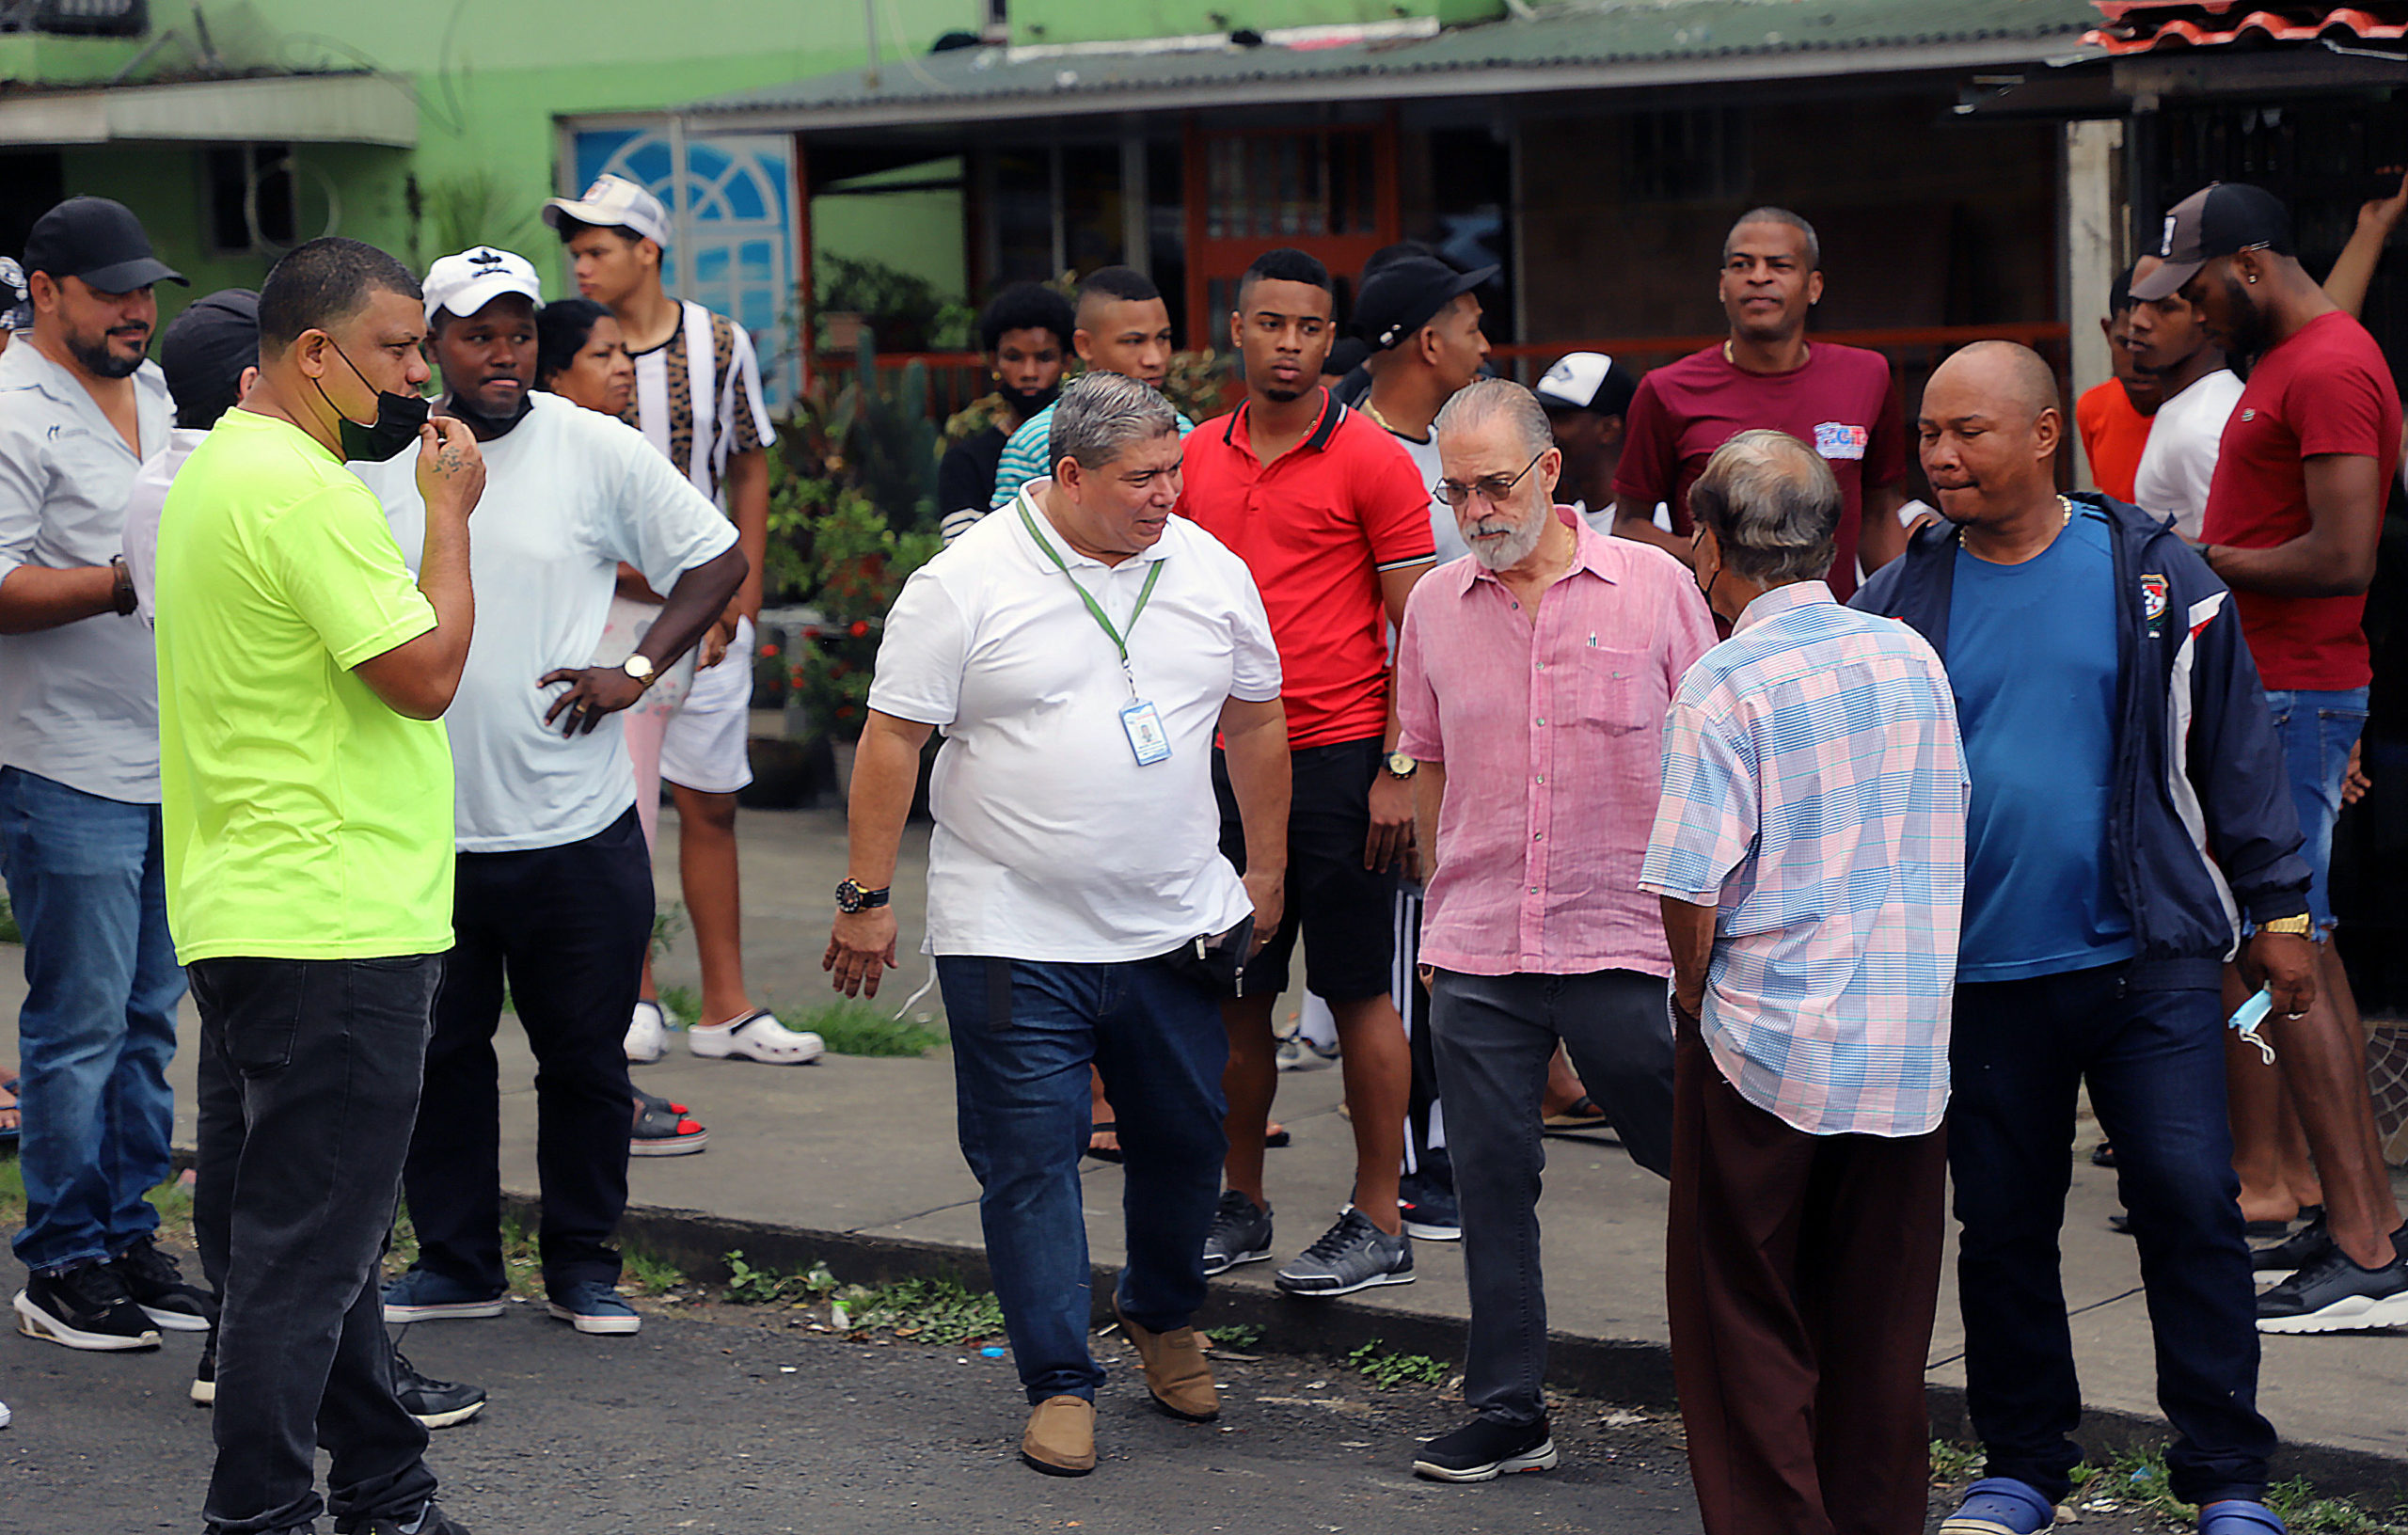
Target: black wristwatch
x: 851, y: 897
x: 122, y: 597
x: 1399, y: 766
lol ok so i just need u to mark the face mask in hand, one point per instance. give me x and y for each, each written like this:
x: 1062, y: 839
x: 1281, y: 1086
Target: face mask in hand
x: 398, y: 419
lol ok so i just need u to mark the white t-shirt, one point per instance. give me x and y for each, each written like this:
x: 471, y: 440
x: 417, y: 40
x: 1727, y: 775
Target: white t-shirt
x: 143, y: 505
x: 1442, y: 531
x: 1052, y: 844
x: 2181, y: 459
x: 569, y: 493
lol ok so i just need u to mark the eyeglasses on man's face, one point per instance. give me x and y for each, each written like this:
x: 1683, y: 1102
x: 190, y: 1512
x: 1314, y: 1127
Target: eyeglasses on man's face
x: 1492, y: 488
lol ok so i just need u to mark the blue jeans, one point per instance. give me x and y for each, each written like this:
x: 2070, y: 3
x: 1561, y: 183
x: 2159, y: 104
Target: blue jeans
x: 2154, y: 1061
x: 88, y: 883
x: 1024, y: 1036
x: 2317, y: 731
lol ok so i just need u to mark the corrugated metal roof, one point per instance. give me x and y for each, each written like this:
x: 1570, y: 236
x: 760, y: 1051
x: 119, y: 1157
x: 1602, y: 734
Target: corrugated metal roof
x: 1601, y: 42
x: 2138, y: 26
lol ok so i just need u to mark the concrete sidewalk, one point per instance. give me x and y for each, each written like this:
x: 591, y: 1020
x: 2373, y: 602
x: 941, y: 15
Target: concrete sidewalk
x: 859, y: 1154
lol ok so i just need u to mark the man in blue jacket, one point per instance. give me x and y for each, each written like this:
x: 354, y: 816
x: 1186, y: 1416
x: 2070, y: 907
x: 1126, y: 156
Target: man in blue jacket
x: 2128, y: 802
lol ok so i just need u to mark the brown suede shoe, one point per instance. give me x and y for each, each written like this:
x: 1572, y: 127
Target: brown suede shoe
x: 1177, y: 1372
x: 1060, y: 1437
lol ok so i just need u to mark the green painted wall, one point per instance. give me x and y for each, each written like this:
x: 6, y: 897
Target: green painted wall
x: 917, y: 231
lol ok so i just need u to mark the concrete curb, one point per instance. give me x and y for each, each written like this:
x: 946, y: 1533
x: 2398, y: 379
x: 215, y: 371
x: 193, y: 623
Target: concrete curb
x: 1628, y: 1371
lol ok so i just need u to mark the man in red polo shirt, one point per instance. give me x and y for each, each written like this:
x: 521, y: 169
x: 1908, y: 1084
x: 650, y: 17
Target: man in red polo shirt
x: 1334, y: 521
x: 1839, y: 399
x: 2293, y: 516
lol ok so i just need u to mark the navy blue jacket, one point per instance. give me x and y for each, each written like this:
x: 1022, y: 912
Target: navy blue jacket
x: 2200, y: 818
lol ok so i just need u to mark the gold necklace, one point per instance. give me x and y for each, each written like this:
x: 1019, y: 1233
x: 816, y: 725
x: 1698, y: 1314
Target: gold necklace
x: 1373, y: 411
x: 2069, y: 506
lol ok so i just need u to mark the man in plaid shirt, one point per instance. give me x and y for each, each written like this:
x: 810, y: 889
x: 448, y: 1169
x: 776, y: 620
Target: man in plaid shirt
x: 1809, y: 851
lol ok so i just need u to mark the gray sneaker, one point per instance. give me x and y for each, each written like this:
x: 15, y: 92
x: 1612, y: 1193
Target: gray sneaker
x: 1351, y: 1255
x: 1241, y: 1234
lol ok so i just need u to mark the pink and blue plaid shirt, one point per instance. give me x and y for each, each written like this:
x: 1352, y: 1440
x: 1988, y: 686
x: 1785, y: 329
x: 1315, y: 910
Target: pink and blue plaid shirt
x: 1549, y: 725
x: 1815, y: 793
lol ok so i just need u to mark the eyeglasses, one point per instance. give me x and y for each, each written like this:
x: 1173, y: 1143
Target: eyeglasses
x: 1493, y: 487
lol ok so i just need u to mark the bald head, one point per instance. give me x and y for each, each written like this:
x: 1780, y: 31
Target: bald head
x: 2008, y: 375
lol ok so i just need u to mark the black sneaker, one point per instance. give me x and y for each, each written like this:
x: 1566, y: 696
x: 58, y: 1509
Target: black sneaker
x: 1241, y: 1234
x: 1485, y: 1449
x: 430, y: 1520
x: 436, y: 1404
x: 157, y: 1286
x: 2302, y: 1247
x: 83, y: 1308
x: 2331, y: 1294
x: 1351, y: 1255
x: 1427, y: 1202
x: 204, y: 1375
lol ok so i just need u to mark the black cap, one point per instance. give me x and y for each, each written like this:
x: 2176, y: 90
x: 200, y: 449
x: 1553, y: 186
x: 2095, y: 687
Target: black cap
x: 205, y: 349
x: 1403, y: 296
x: 2220, y: 218
x: 99, y: 241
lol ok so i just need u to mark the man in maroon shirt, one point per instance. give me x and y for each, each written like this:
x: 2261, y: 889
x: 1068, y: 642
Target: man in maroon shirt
x: 1840, y: 400
x: 2293, y: 515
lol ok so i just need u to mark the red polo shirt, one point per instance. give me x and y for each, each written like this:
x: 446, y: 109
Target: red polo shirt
x: 1316, y: 526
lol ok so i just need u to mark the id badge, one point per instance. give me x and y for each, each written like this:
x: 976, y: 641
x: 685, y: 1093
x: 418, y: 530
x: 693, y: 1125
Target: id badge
x: 1144, y: 724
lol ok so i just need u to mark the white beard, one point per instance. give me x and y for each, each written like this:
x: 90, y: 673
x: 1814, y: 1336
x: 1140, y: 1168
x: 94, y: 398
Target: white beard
x: 1513, y: 550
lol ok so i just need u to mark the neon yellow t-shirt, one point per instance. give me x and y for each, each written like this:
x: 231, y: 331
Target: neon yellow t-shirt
x: 305, y: 819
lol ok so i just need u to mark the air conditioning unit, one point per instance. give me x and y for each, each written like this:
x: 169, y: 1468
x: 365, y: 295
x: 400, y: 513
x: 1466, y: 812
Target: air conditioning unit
x: 92, y: 18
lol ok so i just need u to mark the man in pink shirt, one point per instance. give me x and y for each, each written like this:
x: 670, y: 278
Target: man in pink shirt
x: 1532, y: 680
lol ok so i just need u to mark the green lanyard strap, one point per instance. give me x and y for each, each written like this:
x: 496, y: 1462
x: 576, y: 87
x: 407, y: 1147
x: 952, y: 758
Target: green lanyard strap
x: 1095, y: 609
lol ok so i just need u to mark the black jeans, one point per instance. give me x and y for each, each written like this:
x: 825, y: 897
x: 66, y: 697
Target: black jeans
x: 2155, y: 1064
x: 568, y: 926
x: 309, y: 1081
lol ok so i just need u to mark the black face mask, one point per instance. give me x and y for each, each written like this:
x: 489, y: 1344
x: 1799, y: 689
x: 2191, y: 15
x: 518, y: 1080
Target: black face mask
x: 398, y: 419
x: 1028, y: 402
x: 488, y: 427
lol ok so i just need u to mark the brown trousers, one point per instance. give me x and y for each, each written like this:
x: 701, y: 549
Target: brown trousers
x: 1801, y: 1276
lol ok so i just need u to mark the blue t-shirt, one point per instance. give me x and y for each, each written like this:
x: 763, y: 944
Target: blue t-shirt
x: 2032, y: 659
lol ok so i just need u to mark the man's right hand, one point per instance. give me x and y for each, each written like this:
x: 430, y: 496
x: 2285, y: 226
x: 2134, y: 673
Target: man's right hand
x: 859, y: 947
x: 450, y: 471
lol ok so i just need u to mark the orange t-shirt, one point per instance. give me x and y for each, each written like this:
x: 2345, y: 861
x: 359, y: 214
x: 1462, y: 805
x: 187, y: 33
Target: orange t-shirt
x: 2112, y: 435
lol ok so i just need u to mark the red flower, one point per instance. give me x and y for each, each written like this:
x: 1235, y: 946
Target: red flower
x: 770, y: 649
x: 860, y: 626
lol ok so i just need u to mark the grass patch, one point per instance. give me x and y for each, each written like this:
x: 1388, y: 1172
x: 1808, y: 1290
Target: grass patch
x: 860, y: 1028
x: 1956, y: 1463
x: 1240, y: 1335
x: 749, y: 1286
x: 666, y: 925
x: 1388, y: 1370
x: 941, y: 1310
x: 9, y: 931
x: 652, y: 1276
x: 683, y: 1004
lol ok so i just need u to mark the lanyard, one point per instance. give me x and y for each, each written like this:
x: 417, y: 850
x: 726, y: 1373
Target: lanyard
x: 1095, y: 610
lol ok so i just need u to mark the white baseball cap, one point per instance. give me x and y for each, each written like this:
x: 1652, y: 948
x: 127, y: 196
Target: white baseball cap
x: 1587, y: 381
x: 613, y: 202
x: 465, y: 283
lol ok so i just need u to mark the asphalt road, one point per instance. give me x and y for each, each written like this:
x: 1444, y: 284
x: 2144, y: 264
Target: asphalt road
x: 737, y: 1419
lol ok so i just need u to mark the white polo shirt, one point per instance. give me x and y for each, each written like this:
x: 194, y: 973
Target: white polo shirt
x: 569, y: 493
x: 144, y: 504
x: 1051, y: 842
x: 79, y: 703
x: 2184, y: 437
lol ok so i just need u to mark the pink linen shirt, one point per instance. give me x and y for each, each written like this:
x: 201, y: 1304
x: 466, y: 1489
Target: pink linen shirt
x: 1551, y: 734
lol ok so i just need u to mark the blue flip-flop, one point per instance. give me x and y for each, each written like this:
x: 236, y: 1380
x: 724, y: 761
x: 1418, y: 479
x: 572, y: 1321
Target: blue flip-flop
x: 2239, y: 1516
x: 2004, y: 1506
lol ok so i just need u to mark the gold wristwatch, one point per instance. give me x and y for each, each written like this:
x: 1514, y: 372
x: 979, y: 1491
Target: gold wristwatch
x: 2302, y: 926
x: 1400, y: 765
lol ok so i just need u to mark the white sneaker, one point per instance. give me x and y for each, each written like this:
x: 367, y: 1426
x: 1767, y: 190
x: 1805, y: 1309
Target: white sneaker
x: 757, y: 1037
x: 4, y: 1415
x: 647, y: 1034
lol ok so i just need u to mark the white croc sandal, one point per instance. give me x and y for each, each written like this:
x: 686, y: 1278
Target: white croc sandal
x: 647, y: 1034
x: 756, y: 1037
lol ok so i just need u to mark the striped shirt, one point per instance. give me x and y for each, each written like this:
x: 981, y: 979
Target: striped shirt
x: 1815, y: 793
x: 1023, y: 460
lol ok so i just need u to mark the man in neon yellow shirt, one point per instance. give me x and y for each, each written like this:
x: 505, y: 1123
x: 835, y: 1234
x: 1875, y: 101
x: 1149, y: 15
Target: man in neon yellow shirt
x: 307, y: 790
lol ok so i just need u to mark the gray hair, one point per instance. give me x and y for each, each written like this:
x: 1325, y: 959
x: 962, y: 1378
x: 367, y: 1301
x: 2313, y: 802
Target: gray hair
x: 1485, y: 400
x: 1100, y: 414
x: 1778, y: 215
x: 1773, y: 506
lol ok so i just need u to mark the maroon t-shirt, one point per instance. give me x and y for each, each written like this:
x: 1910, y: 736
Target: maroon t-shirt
x: 1843, y: 404
x: 2325, y: 389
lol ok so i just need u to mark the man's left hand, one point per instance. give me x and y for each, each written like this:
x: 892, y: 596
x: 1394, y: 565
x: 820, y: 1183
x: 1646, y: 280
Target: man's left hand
x: 714, y: 642
x: 2285, y: 965
x: 593, y: 692
x: 1391, y: 844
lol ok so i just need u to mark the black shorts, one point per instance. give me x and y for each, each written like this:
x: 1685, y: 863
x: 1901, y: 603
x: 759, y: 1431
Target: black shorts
x: 1346, y: 912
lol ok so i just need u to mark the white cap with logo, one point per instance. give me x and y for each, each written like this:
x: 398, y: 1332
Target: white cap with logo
x: 614, y: 202
x: 465, y: 283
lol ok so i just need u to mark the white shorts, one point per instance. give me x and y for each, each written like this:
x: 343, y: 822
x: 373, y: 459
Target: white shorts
x: 705, y: 745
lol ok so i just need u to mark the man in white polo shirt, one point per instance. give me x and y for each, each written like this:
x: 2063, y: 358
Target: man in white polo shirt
x: 1077, y: 649
x: 2169, y: 342
x: 697, y: 400
x: 553, y: 885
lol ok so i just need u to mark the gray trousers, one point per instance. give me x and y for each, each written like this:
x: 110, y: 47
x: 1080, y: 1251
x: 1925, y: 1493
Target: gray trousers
x: 1492, y: 1036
